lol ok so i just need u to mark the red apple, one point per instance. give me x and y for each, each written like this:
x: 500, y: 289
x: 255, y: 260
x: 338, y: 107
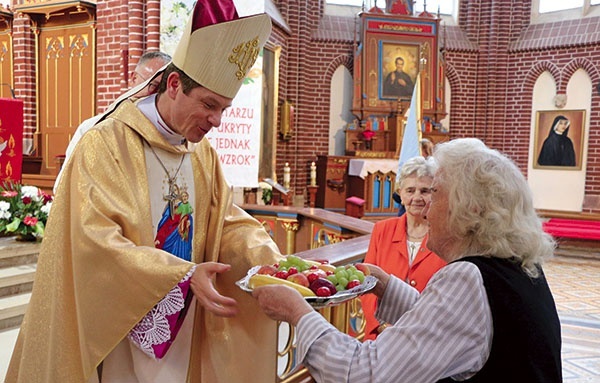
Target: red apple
x: 267, y: 270
x: 353, y: 283
x: 299, y: 279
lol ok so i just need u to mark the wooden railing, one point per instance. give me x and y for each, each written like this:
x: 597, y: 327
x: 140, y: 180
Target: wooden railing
x: 322, y: 235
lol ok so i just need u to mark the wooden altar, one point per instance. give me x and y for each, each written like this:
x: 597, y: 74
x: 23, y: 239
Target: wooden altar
x: 371, y: 179
x: 395, y: 51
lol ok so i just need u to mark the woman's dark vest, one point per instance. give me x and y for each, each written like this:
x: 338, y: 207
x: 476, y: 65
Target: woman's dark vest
x: 526, y: 342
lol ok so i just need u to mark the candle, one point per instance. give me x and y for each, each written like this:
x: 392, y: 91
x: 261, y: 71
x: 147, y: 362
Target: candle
x: 286, y: 176
x: 313, y: 174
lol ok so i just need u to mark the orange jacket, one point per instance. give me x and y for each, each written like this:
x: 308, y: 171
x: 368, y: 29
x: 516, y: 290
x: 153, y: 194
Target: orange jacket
x: 388, y: 250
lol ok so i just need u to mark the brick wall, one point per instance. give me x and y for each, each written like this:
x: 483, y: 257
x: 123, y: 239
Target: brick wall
x: 125, y: 30
x: 311, y: 63
x: 24, y: 72
x: 490, y: 74
x: 493, y: 60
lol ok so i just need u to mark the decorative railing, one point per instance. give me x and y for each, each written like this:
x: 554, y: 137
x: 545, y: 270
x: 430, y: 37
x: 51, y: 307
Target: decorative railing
x: 315, y: 234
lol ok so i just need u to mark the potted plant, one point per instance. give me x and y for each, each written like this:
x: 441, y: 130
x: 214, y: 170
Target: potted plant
x: 267, y: 192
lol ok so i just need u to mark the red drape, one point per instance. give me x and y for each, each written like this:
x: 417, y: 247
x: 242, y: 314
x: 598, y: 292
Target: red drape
x: 11, y: 139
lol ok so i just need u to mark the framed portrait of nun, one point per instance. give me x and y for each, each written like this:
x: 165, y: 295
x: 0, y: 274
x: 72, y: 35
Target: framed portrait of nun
x: 559, y: 139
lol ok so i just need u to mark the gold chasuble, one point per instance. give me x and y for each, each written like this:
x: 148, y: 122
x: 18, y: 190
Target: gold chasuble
x: 99, y: 272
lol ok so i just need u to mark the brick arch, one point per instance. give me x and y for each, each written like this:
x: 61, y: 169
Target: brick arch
x: 453, y: 78
x: 340, y: 60
x: 346, y: 61
x: 535, y: 72
x: 573, y: 66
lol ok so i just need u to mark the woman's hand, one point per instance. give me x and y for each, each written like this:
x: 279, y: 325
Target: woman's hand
x: 282, y: 303
x: 382, y: 279
x: 202, y: 285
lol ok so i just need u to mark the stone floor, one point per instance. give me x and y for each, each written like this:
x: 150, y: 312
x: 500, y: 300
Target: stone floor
x: 575, y: 284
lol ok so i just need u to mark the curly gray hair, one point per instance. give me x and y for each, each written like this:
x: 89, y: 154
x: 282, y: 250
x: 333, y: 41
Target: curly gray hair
x: 491, y: 206
x: 419, y: 166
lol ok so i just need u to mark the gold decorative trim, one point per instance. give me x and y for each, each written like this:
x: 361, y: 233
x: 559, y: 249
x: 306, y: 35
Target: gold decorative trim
x: 244, y: 56
x: 52, y: 7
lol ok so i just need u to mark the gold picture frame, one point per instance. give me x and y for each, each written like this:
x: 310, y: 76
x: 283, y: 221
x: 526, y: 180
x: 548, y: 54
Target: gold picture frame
x: 559, y: 139
x: 405, y: 59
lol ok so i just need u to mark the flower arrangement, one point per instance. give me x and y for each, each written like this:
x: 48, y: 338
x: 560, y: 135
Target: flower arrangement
x: 23, y: 210
x: 267, y: 192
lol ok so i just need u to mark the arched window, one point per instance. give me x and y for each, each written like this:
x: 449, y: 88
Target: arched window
x: 559, y: 10
x: 446, y: 7
x: 558, y: 5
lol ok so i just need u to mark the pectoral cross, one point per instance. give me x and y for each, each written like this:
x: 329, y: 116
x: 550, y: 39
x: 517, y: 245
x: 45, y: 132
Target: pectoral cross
x: 173, y: 196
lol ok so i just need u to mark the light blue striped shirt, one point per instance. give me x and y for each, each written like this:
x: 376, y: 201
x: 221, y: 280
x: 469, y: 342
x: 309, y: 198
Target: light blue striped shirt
x: 445, y: 331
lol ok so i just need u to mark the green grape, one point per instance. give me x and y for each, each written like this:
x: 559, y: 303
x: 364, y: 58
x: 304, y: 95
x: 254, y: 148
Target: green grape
x: 340, y: 287
x: 360, y: 276
x: 342, y: 281
x: 291, y: 260
x: 341, y: 274
x: 333, y: 279
x: 351, y: 268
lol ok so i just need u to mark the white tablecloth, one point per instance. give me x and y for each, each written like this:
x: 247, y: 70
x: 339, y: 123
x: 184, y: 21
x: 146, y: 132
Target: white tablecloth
x: 362, y: 167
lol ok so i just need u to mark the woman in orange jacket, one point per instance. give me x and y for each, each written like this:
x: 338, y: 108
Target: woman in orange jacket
x: 398, y: 245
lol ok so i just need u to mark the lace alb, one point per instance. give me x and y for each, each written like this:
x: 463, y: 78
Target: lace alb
x: 154, y: 328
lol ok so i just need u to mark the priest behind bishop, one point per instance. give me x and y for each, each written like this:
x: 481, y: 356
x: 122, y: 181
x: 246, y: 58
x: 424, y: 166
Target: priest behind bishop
x: 135, y: 279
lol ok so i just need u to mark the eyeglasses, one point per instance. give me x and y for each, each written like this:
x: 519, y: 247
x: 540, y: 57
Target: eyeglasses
x: 144, y: 78
x: 153, y: 85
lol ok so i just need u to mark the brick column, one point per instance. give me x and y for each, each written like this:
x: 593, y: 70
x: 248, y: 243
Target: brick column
x: 24, y: 73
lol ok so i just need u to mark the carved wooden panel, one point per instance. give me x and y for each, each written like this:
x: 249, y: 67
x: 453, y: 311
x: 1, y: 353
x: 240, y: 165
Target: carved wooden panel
x: 66, y: 87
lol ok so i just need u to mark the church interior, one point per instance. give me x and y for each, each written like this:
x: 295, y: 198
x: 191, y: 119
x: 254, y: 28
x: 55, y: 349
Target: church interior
x: 337, y: 85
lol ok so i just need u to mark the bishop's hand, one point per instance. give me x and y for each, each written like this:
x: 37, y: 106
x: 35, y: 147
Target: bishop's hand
x: 202, y: 285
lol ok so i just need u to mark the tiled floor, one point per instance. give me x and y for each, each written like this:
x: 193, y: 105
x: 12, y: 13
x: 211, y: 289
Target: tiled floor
x: 575, y: 284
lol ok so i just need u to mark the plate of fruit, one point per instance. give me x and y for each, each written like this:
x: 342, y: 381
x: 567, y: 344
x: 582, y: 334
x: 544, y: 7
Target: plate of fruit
x: 321, y: 284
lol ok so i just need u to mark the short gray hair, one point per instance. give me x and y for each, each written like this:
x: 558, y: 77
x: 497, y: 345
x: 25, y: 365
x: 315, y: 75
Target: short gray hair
x: 165, y: 58
x: 419, y: 166
x: 491, y: 206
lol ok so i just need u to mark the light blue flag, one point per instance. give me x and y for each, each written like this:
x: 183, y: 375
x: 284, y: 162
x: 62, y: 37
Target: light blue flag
x: 412, y: 132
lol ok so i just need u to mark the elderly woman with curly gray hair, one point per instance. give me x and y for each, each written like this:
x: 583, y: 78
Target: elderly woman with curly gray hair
x: 488, y: 316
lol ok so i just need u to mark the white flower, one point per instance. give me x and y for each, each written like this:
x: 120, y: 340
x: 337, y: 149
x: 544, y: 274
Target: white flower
x: 5, y: 215
x: 4, y: 210
x: 46, y: 208
x: 31, y: 192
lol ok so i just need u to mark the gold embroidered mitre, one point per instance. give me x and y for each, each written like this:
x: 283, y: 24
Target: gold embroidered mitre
x: 218, y: 56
